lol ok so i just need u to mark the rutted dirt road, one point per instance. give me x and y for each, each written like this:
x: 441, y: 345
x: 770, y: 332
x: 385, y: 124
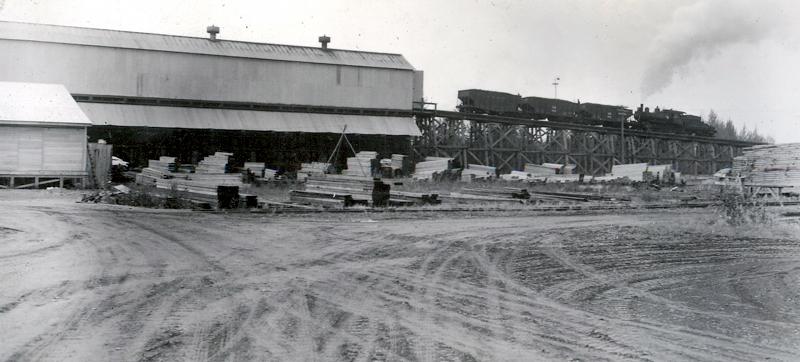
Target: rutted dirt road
x: 90, y: 282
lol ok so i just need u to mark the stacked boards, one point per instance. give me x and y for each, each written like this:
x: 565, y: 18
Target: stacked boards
x: 362, y: 164
x: 770, y: 165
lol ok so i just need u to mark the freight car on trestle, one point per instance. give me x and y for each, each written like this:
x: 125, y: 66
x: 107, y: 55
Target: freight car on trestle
x: 593, y: 114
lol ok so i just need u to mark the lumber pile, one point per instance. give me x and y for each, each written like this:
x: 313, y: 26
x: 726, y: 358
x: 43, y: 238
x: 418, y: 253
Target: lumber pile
x: 478, y: 172
x: 313, y: 169
x: 361, y: 164
x: 164, y: 167
x: 352, y: 190
x: 216, y: 163
x: 432, y: 168
x: 660, y: 173
x: 516, y: 176
x: 633, y: 172
x: 209, y: 174
x: 770, y: 165
x: 256, y: 168
x: 401, y: 164
x: 268, y: 174
x: 538, y: 170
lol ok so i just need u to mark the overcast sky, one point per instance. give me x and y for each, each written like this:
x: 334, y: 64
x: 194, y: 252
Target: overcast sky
x: 738, y: 57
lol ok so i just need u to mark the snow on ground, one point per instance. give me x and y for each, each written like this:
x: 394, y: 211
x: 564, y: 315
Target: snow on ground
x: 103, y: 283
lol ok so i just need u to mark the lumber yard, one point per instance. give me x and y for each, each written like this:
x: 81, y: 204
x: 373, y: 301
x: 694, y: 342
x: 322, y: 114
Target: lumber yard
x: 170, y: 198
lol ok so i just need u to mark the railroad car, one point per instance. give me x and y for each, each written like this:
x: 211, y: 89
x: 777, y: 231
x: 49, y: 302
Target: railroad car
x: 488, y: 102
x: 594, y: 114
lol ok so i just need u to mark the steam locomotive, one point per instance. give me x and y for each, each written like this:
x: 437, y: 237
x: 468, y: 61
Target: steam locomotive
x: 592, y: 114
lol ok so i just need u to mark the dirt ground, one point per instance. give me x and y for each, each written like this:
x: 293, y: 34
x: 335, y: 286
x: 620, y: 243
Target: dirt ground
x: 88, y: 282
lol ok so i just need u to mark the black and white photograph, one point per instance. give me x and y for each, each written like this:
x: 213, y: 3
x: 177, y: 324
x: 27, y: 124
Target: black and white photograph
x: 399, y: 180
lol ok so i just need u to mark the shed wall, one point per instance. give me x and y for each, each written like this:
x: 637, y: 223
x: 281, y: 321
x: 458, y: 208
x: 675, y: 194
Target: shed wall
x: 53, y: 151
x: 144, y: 73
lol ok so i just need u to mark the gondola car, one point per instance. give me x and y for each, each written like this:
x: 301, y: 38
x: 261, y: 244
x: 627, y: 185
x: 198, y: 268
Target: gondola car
x: 594, y: 114
x: 488, y: 102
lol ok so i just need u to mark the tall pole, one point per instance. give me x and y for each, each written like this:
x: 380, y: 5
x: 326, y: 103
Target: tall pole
x: 622, y: 140
x: 555, y: 87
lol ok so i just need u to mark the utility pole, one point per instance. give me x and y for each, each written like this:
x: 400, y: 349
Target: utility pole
x: 555, y: 86
x: 622, y: 140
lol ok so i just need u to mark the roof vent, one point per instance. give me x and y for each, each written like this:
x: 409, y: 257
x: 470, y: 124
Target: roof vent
x: 324, y: 40
x: 212, y: 31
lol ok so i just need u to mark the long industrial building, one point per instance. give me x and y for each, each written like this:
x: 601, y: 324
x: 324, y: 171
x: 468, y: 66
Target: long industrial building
x: 153, y: 94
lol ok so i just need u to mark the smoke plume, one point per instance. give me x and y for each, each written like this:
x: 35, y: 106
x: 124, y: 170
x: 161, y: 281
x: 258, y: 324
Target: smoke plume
x: 702, y: 30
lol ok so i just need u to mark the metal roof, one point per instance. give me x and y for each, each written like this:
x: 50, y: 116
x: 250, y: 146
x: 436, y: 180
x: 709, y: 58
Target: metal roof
x: 230, y: 119
x: 194, y: 45
x: 39, y: 104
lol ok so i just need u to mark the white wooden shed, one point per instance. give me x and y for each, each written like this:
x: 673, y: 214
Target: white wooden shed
x: 42, y: 135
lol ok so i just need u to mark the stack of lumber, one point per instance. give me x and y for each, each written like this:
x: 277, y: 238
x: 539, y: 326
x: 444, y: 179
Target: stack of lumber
x: 269, y: 174
x: 353, y: 190
x: 209, y: 174
x: 216, y: 163
x: 312, y: 169
x: 162, y: 168
x: 402, y: 163
x: 538, y: 170
x: 770, y: 165
x: 557, y: 178
x: 478, y: 172
x: 361, y: 165
x: 432, y: 167
x: 516, y: 176
x: 662, y: 173
x: 256, y: 168
x: 633, y: 171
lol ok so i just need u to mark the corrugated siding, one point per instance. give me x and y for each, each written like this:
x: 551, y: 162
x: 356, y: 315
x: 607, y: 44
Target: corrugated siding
x: 171, y: 43
x: 42, y: 150
x: 226, y: 119
x: 129, y: 72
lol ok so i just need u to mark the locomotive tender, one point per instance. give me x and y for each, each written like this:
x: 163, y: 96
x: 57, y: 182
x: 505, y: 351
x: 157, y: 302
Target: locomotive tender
x: 594, y: 114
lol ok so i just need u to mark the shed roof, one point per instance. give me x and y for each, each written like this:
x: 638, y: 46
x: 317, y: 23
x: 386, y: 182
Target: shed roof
x: 196, y: 45
x: 233, y: 119
x: 39, y: 104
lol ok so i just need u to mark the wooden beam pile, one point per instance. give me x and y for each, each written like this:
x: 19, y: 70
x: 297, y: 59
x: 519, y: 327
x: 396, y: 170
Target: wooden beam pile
x: 344, y: 191
x: 478, y: 172
x: 432, y: 168
x: 216, y: 163
x: 402, y: 163
x: 361, y: 164
x: 633, y: 172
x: 210, y: 173
x: 770, y: 165
x: 164, y: 167
x: 256, y: 168
x: 308, y: 169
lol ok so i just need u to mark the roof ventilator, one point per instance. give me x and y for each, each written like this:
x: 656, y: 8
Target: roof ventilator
x: 212, y: 31
x: 324, y: 40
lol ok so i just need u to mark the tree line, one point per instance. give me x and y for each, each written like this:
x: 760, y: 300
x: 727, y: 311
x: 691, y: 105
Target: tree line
x: 726, y: 130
